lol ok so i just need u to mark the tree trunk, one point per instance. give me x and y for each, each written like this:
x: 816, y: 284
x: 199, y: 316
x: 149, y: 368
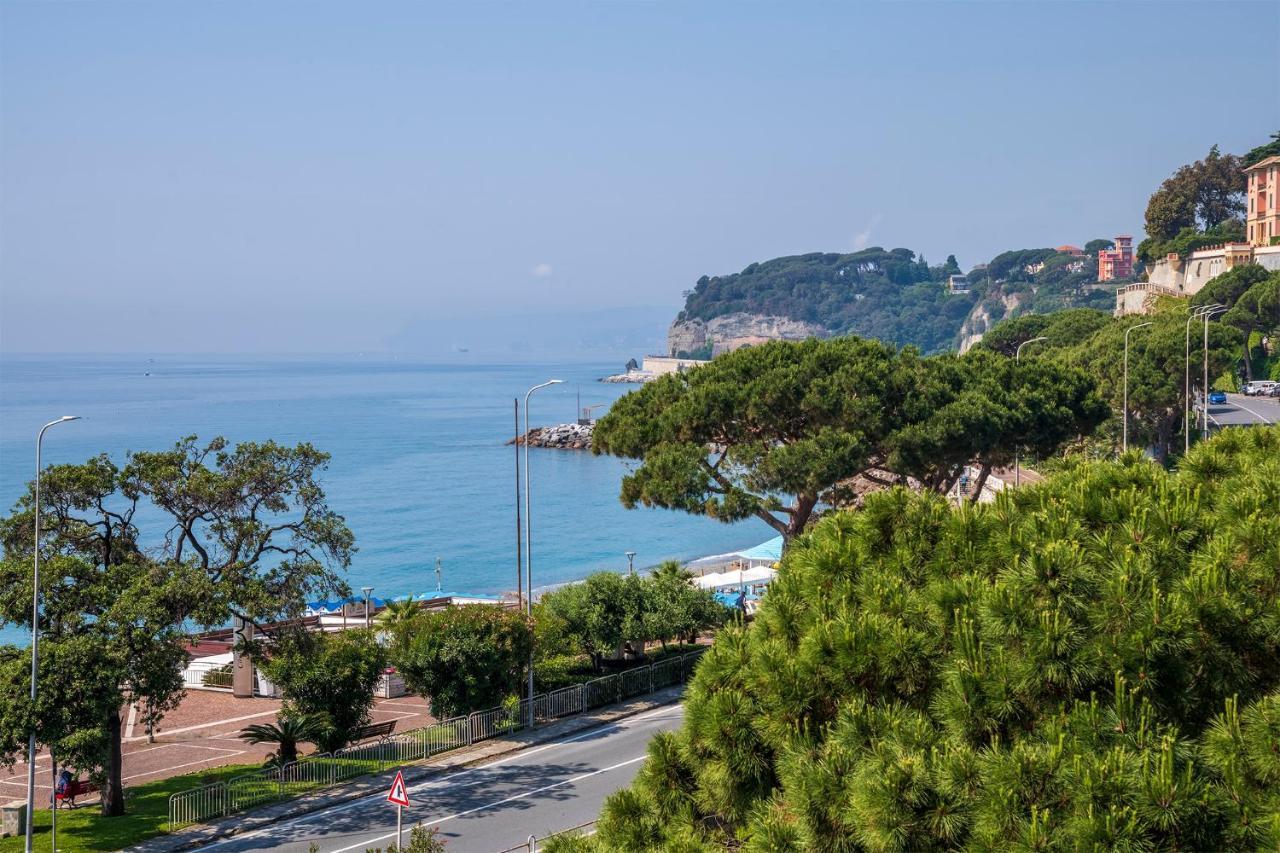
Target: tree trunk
x: 113, y: 788
x: 982, y: 481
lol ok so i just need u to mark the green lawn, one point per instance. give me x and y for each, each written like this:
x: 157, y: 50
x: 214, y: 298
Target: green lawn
x: 147, y: 812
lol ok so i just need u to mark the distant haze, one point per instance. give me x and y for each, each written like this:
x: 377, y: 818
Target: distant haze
x: 548, y: 177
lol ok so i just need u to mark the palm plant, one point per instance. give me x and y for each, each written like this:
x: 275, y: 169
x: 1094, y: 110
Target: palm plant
x: 397, y: 615
x: 287, y: 732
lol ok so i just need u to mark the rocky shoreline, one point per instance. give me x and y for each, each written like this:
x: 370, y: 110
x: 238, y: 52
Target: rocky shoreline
x: 636, y: 376
x: 558, y: 437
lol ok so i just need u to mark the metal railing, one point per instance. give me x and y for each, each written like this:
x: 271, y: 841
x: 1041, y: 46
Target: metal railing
x: 315, y: 772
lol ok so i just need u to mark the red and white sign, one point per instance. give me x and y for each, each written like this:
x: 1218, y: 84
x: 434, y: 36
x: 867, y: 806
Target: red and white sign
x: 398, y: 794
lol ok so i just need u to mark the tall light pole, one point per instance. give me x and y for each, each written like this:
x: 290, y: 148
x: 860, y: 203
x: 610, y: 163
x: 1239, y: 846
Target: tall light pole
x: 528, y: 531
x: 35, y: 636
x: 367, y: 590
x: 1017, y: 467
x: 1125, y: 410
x: 519, y: 549
x: 631, y: 562
x: 1208, y: 314
x: 1186, y: 383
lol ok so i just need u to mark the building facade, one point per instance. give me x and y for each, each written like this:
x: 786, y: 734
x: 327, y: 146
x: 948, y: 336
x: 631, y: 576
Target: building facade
x: 1118, y: 262
x: 1262, y: 223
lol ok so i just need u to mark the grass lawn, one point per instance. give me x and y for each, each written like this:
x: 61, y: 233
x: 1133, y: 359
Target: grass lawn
x: 146, y: 813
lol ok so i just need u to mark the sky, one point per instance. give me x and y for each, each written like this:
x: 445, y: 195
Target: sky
x: 343, y: 177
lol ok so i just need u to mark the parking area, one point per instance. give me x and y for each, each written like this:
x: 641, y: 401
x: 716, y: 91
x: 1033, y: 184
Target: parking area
x: 1240, y: 410
x: 199, y: 735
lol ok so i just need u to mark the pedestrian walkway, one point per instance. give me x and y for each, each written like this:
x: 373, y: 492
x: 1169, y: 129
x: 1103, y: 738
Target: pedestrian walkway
x: 200, y: 734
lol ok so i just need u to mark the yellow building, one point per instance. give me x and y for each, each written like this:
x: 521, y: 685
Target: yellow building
x: 1263, y: 222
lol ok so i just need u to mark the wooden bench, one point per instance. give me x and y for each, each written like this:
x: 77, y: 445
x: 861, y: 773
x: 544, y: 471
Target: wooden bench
x: 75, y: 788
x: 374, y: 730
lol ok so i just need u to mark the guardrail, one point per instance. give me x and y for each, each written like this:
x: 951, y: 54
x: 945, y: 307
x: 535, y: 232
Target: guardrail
x: 315, y: 772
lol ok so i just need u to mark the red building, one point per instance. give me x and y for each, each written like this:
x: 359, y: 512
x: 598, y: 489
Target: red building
x: 1117, y: 262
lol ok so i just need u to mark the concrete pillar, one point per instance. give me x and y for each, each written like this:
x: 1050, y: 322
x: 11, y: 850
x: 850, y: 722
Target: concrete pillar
x: 13, y: 818
x: 242, y: 667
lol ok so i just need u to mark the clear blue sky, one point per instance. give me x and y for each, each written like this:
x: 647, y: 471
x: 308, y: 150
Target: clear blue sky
x: 323, y: 176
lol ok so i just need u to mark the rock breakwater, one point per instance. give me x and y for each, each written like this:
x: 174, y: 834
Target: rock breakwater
x: 558, y: 437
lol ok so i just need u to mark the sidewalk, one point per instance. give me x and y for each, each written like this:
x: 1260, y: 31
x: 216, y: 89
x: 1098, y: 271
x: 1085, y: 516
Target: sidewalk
x: 195, y: 836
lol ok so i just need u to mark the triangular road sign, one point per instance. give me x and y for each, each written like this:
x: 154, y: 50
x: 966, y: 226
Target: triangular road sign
x: 398, y: 794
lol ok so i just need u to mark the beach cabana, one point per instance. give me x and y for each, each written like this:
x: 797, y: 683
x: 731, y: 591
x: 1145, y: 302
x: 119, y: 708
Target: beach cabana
x: 766, y: 553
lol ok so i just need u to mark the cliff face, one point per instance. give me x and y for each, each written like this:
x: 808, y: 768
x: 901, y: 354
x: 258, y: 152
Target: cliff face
x: 980, y: 319
x: 732, y: 331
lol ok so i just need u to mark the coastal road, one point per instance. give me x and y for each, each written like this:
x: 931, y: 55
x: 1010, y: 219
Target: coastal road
x: 1240, y: 410
x: 483, y: 809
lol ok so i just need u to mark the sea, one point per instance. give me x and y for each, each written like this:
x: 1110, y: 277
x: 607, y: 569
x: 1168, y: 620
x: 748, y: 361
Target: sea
x: 419, y: 468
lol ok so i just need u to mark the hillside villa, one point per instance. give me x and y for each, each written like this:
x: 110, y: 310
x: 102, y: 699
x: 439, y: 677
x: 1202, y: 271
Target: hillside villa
x: 1183, y: 277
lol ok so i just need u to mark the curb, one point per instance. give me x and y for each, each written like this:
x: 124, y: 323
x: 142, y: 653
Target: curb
x: 202, y: 834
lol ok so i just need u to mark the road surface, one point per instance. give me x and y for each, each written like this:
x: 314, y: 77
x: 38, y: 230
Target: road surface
x: 492, y: 807
x: 1240, y: 410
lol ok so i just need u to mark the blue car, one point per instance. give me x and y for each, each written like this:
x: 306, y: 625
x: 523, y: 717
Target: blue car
x: 1217, y: 397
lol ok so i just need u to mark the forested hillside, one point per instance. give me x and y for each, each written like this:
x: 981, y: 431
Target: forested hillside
x: 895, y: 296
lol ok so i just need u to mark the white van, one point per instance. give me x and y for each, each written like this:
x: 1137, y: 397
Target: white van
x: 1259, y: 387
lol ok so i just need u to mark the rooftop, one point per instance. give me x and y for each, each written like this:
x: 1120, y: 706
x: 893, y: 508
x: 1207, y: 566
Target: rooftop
x: 1270, y: 161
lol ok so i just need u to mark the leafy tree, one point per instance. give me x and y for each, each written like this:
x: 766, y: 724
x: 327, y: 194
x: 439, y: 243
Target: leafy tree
x: 1090, y: 663
x: 1252, y: 295
x: 287, y: 732
x: 464, y: 658
x: 248, y: 534
x: 1262, y: 152
x: 675, y: 609
x: 599, y: 615
x: 1093, y: 247
x: 327, y: 678
x: 1201, y: 195
x: 797, y: 421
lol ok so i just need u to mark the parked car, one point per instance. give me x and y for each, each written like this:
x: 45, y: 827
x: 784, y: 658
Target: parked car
x: 1275, y: 392
x: 1217, y: 397
x: 1260, y: 387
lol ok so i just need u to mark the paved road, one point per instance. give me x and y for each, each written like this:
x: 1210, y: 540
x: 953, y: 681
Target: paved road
x: 1240, y: 410
x: 484, y: 809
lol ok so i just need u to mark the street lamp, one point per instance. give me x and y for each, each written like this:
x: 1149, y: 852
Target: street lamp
x: 35, y: 636
x: 1125, y: 410
x: 1207, y: 315
x: 367, y: 590
x: 1017, y: 357
x: 631, y: 562
x: 528, y: 531
x: 1186, y: 384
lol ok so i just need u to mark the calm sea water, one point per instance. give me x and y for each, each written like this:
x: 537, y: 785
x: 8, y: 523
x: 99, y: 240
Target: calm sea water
x: 419, y: 466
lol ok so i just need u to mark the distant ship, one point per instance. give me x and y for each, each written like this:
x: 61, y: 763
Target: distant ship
x: 461, y: 349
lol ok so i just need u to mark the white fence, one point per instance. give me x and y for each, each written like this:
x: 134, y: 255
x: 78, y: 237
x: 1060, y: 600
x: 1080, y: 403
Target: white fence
x: 314, y: 772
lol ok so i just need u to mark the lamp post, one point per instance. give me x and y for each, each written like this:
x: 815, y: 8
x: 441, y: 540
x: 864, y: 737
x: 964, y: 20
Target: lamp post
x: 631, y: 562
x: 1186, y: 383
x: 528, y: 531
x: 1125, y: 410
x: 1207, y: 315
x: 35, y: 636
x: 1017, y: 467
x: 367, y: 590
x: 519, y: 545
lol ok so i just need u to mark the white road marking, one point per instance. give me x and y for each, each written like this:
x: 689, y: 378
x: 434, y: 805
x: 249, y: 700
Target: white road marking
x: 205, y: 725
x: 503, y: 801
x: 436, y: 781
x: 1250, y: 411
x: 174, y: 767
